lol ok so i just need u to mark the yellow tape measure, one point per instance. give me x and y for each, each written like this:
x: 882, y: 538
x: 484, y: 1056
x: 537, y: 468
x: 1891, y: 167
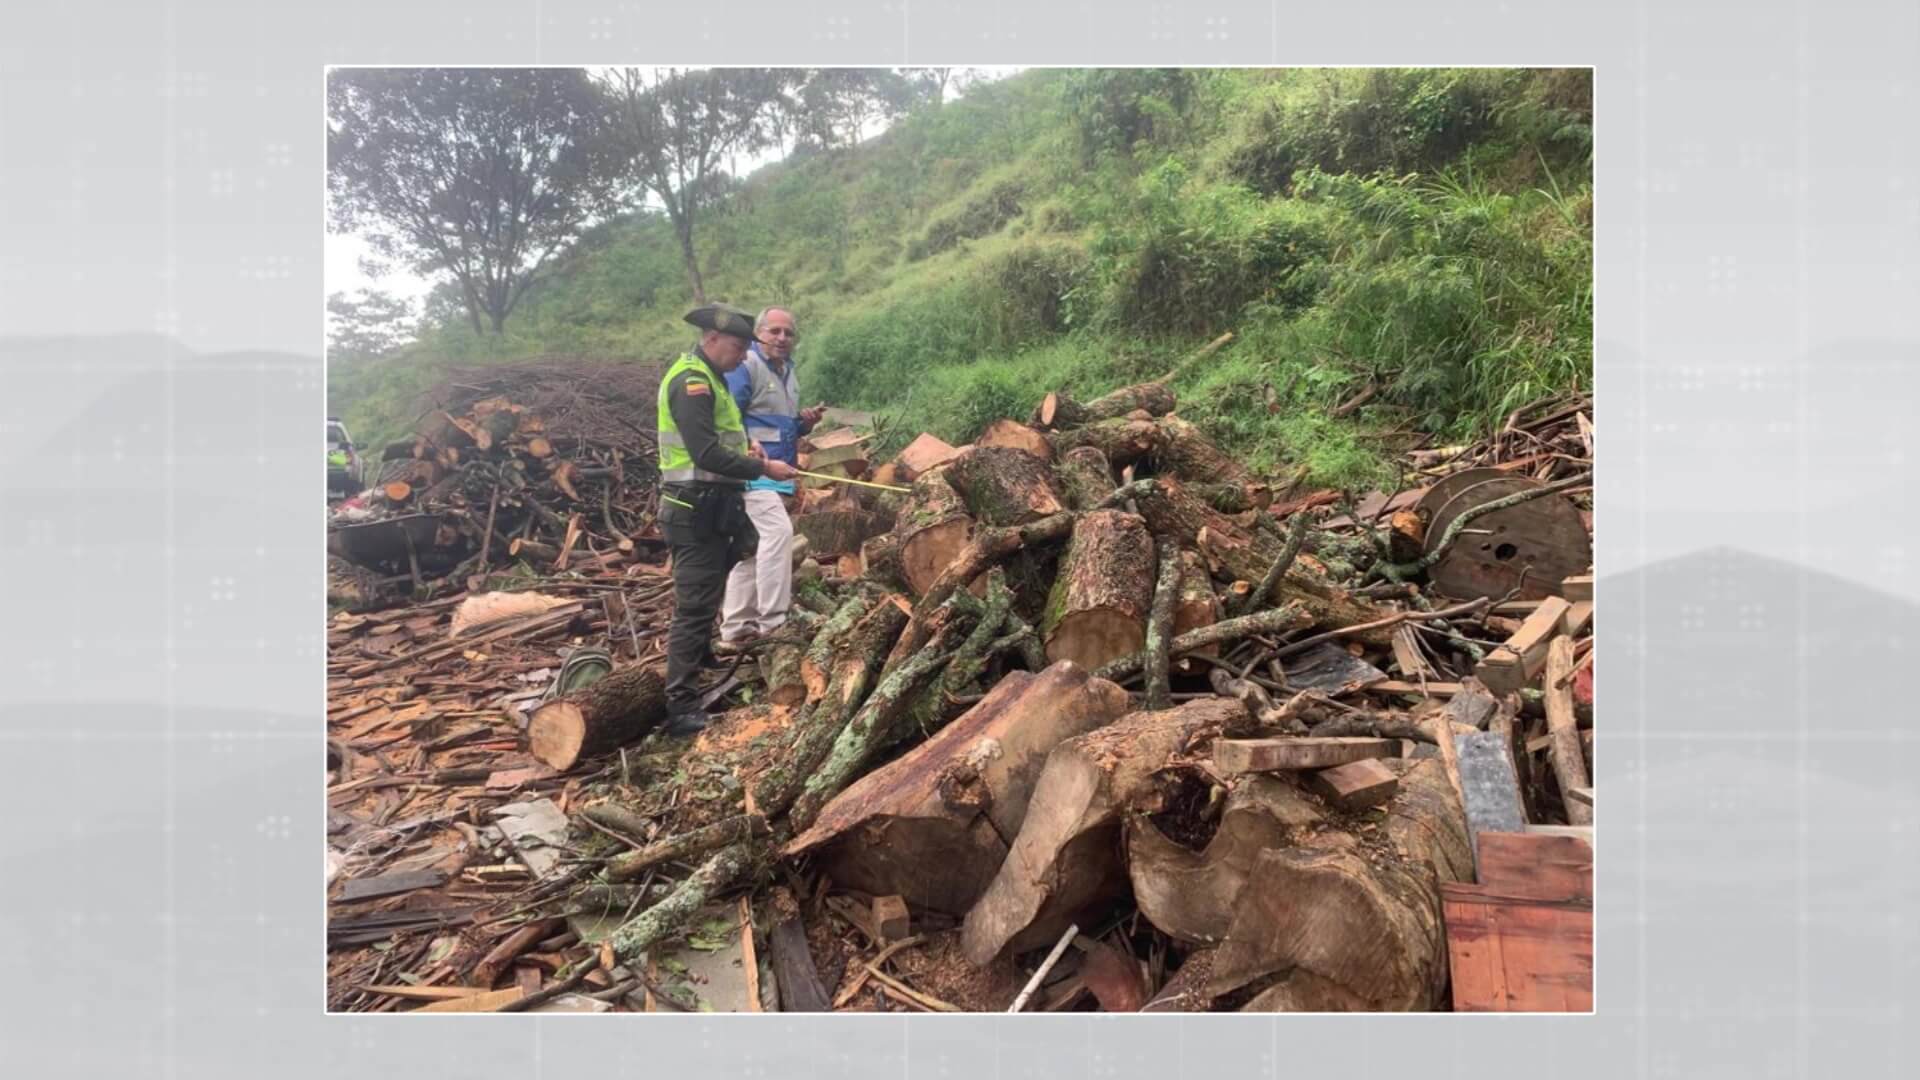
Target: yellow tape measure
x: 846, y: 480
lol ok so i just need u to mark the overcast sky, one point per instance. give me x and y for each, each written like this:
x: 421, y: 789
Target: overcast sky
x: 344, y: 251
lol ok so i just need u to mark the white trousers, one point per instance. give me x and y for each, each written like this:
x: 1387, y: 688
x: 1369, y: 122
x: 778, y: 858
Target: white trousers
x: 760, y: 589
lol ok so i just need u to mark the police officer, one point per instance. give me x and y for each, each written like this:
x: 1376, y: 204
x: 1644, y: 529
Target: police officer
x: 705, y: 463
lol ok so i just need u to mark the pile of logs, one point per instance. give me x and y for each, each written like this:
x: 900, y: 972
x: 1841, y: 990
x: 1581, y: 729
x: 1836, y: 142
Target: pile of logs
x: 1089, y: 697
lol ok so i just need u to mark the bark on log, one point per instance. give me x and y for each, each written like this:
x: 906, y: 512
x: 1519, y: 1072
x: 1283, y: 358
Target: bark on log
x: 1064, y: 856
x: 854, y: 668
x: 1192, y: 895
x: 1003, y: 486
x: 1190, y: 455
x: 634, y: 865
x: 1159, y: 637
x: 1085, y: 476
x: 780, y: 668
x: 816, y: 667
x: 1196, y: 606
x: 1233, y: 498
x: 1098, y: 608
x: 619, y: 709
x: 1057, y: 411
x: 880, y: 559
x: 934, y: 528
x: 1272, y: 621
x: 1249, y: 554
x: 933, y: 825
x: 641, y: 933
x: 1355, y: 932
x: 1122, y: 441
x: 1015, y: 435
x: 838, y: 532
x: 872, y: 729
x: 980, y: 553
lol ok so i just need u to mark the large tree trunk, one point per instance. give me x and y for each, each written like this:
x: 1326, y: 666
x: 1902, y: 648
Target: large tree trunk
x: 1085, y: 476
x: 933, y: 826
x: 1192, y: 895
x: 1348, y: 930
x: 619, y: 709
x: 1064, y: 858
x: 1248, y: 554
x: 1003, y: 486
x: 1098, y: 608
x: 933, y: 528
x: 683, y: 225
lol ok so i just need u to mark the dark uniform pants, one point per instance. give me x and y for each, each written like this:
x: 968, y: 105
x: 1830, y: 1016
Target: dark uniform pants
x: 707, y: 529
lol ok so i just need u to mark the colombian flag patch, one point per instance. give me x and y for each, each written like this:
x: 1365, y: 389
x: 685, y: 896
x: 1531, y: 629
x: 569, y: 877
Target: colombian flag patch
x: 697, y: 388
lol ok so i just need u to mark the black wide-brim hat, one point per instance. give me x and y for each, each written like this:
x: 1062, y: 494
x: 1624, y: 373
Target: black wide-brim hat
x: 723, y: 318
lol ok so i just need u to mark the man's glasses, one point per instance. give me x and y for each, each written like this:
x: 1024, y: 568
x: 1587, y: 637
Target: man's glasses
x: 778, y: 331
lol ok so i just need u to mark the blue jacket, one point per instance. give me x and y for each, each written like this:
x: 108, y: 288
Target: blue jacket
x: 771, y: 406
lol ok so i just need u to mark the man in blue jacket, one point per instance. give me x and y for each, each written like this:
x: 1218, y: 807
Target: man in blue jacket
x: 760, y: 589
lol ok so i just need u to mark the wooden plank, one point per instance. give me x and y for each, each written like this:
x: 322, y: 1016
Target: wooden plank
x: 478, y: 1003
x: 426, y: 993
x: 1356, y: 785
x: 1236, y: 756
x: 1577, y: 589
x: 849, y: 417
x: 1514, y: 955
x: 374, y: 888
x: 1403, y: 686
x: 749, y: 959
x: 1516, y: 663
x: 1578, y: 618
x: 1581, y: 795
x: 1537, y: 866
x: 1488, y: 786
x: 1406, y: 654
x: 1569, y: 760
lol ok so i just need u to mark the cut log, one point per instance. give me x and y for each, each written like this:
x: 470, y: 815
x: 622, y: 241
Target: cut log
x: 397, y: 491
x: 1351, y: 931
x: 1057, y: 411
x: 855, y: 664
x: 1191, y: 895
x: 633, y: 865
x: 620, y: 708
x: 721, y: 869
x: 1122, y: 441
x: 1063, y: 859
x: 1248, y: 554
x: 1193, y: 457
x: 833, y: 533
x: 1196, y: 606
x: 923, y: 455
x: 539, y: 447
x: 1016, y: 435
x: 780, y: 668
x: 533, y: 550
x: 929, y: 825
x: 1097, y: 611
x: 1003, y: 486
x: 934, y: 528
x: 816, y: 667
x: 1085, y: 477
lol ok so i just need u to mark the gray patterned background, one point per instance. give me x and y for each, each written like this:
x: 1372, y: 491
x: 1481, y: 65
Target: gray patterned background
x: 160, y: 328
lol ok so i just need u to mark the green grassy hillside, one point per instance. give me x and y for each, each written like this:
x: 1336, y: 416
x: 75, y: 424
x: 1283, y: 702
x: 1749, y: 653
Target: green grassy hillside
x: 1428, y: 233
